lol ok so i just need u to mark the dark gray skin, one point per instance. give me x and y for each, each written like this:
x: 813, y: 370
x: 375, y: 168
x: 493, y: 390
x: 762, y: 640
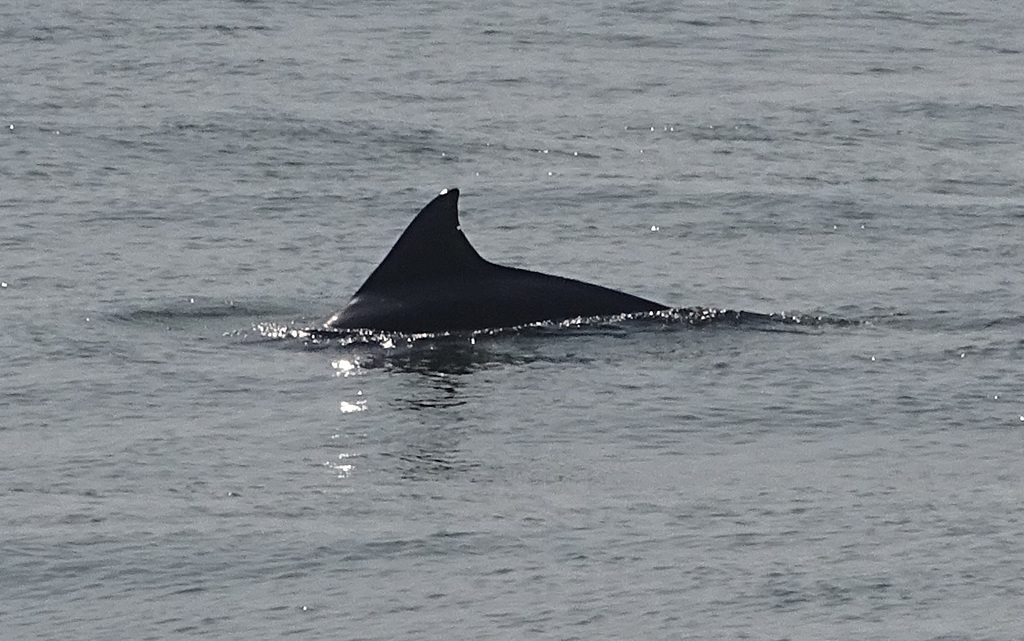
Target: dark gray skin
x: 433, y: 280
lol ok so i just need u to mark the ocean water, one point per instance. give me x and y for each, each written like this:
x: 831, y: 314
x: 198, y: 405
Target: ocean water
x: 183, y: 186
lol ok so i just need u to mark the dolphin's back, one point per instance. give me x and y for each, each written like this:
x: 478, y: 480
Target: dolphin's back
x: 433, y: 280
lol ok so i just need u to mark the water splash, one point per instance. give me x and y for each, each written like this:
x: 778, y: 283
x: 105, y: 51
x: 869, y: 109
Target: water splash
x: 662, y: 320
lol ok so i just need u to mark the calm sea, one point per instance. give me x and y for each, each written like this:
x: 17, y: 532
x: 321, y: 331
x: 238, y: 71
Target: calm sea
x: 183, y: 183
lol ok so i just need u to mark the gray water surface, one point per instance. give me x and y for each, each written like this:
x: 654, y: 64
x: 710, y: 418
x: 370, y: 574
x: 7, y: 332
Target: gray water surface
x: 183, y: 183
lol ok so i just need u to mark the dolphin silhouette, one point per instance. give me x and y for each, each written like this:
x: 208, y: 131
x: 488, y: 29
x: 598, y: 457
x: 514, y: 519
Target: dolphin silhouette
x: 433, y: 280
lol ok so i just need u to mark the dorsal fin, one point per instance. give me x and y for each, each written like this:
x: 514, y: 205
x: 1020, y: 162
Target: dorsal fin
x: 431, y: 247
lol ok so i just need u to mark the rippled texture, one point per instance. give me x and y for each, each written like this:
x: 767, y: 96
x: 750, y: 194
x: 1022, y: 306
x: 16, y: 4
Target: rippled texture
x: 187, y: 186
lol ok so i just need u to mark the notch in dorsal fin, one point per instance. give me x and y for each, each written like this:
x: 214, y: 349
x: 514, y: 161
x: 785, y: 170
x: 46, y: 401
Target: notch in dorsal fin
x: 431, y: 247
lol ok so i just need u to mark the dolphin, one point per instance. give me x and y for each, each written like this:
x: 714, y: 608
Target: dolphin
x: 433, y: 281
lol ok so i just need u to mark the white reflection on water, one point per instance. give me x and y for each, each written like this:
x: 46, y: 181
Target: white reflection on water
x: 343, y: 470
x: 347, y: 407
x: 344, y: 367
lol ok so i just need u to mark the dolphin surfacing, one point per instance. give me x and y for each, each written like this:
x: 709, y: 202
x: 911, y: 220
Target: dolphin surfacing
x: 433, y: 280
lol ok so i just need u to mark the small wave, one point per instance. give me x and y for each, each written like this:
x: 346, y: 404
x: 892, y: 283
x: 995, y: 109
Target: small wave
x: 193, y: 309
x: 598, y: 325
